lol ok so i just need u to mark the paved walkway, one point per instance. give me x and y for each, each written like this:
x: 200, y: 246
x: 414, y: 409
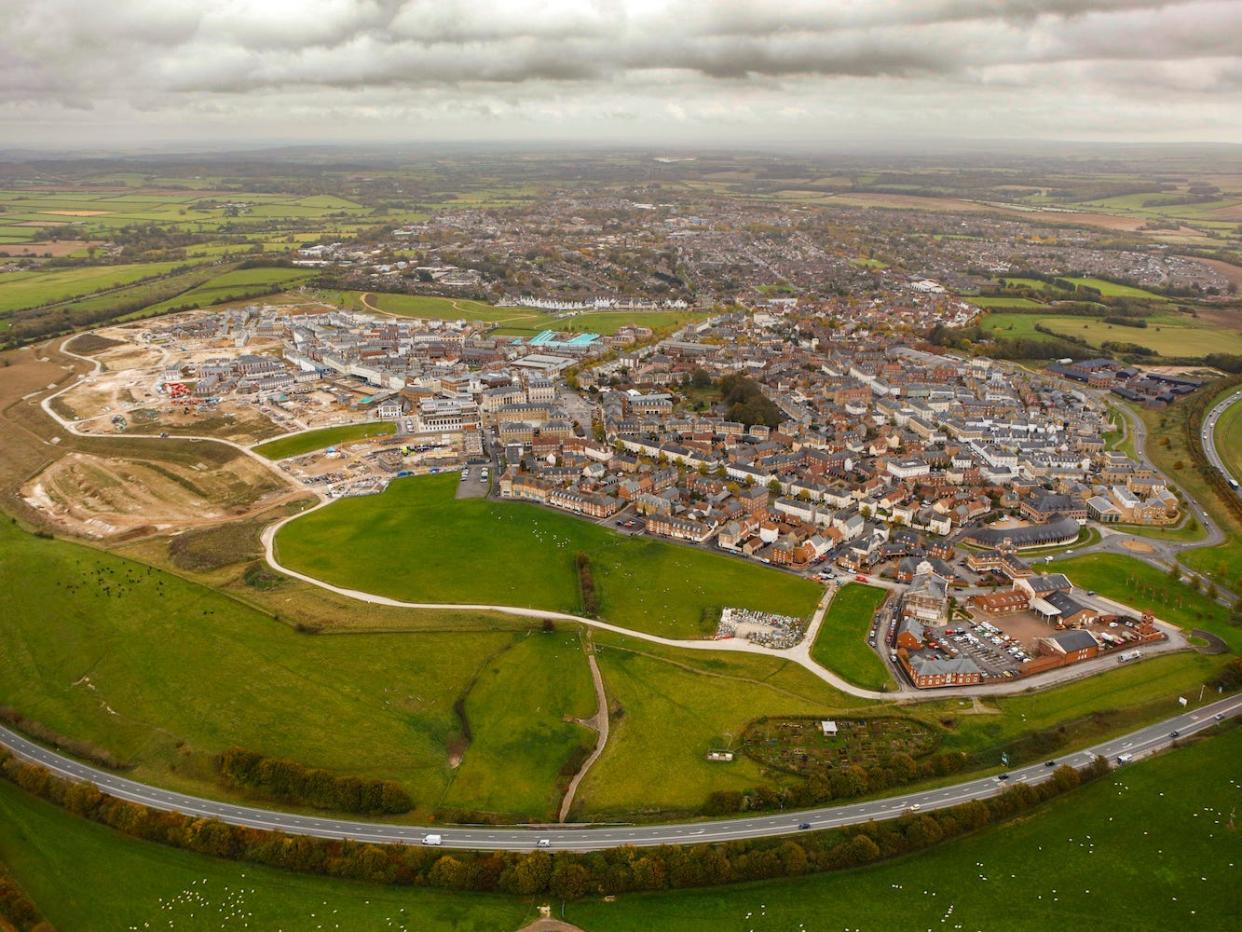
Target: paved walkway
x: 599, y: 722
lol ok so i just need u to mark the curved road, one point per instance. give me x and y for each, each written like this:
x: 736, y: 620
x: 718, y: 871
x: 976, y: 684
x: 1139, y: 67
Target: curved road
x: 1208, y: 434
x: 1138, y: 743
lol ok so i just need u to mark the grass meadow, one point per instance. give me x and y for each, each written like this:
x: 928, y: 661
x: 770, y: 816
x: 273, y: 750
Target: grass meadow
x: 1168, y: 334
x: 163, y: 673
x: 20, y: 290
x: 311, y: 440
x: 417, y: 543
x: 841, y: 644
x: 671, y: 707
x: 1152, y: 846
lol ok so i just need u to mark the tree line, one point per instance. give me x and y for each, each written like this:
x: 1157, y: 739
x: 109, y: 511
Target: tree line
x: 847, y: 782
x: 17, y: 910
x: 288, y: 781
x: 586, y: 585
x: 566, y: 875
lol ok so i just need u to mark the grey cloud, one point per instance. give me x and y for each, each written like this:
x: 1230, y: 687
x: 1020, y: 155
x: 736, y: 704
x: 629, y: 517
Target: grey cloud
x: 551, y: 60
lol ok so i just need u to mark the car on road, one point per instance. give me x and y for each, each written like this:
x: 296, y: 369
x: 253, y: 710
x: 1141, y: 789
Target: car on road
x: 544, y: 843
x: 915, y: 807
x: 860, y: 577
x: 803, y: 826
x: 1174, y: 733
x: 1002, y: 776
x: 1219, y: 717
x: 1050, y: 763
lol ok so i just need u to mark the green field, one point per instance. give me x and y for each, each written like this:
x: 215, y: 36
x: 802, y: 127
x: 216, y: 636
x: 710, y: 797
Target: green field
x: 310, y: 440
x: 1167, y: 334
x: 415, y: 542
x: 990, y: 301
x: 164, y: 672
x: 231, y: 286
x: 1113, y: 290
x: 841, y: 644
x: 1152, y: 846
x: 431, y: 307
x: 674, y: 707
x: 85, y: 876
x: 1140, y: 585
x: 97, y: 213
x: 535, y: 736
x: 33, y: 289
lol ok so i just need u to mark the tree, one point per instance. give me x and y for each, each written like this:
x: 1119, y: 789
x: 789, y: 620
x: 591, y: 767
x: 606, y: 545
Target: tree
x: 863, y: 850
x: 530, y: 875
x: 570, y: 880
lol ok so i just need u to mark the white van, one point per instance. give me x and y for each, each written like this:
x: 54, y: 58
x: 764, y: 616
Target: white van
x: 433, y: 840
x: 1124, y: 758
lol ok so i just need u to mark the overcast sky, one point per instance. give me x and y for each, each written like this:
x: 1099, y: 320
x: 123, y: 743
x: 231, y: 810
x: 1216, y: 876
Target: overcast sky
x: 152, y: 72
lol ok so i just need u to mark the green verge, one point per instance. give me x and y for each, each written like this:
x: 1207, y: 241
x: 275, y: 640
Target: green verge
x: 1163, y: 827
x: 417, y: 543
x: 86, y: 876
x: 1138, y: 584
x: 164, y: 673
x: 841, y: 644
x: 311, y: 440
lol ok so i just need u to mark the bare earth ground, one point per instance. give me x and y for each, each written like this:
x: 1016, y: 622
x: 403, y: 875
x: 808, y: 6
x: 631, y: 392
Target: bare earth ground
x: 103, y: 496
x: 1138, y: 546
x: 60, y: 248
x: 128, y: 385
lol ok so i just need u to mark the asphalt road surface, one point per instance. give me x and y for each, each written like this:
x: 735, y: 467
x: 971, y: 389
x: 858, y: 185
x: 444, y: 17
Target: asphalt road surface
x: 585, y: 838
x: 1208, y: 433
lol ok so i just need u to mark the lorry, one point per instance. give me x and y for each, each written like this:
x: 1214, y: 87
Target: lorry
x: 433, y: 840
